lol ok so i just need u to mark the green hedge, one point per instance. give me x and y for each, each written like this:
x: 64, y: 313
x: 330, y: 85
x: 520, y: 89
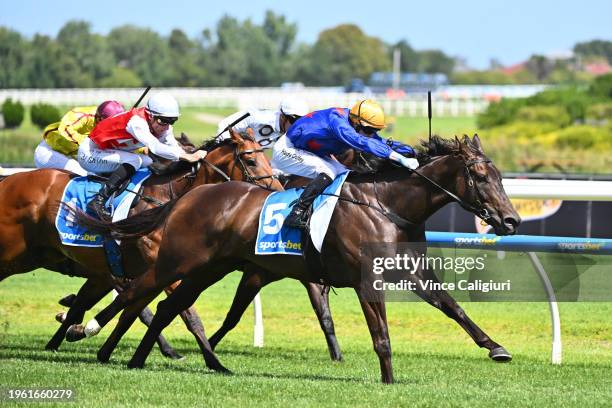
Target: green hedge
x: 43, y: 114
x: 602, y: 87
x: 13, y: 113
x: 574, y: 100
x: 556, y: 115
x: 499, y: 113
x: 600, y: 112
x: 584, y: 137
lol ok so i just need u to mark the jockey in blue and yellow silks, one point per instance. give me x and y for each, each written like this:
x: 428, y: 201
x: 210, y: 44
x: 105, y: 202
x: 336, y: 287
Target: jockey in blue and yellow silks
x: 307, y: 148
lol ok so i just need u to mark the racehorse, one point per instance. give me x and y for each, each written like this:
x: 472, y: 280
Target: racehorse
x: 386, y: 206
x: 29, y: 239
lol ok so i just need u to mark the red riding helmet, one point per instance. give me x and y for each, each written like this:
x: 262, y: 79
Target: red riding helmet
x: 108, y: 108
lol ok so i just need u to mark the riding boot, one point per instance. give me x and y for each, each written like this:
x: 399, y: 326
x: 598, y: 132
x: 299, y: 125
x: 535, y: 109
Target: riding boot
x: 97, y: 205
x: 298, y: 218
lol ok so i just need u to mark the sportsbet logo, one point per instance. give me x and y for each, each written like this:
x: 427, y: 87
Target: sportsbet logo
x: 80, y: 237
x: 281, y: 245
x: 477, y: 241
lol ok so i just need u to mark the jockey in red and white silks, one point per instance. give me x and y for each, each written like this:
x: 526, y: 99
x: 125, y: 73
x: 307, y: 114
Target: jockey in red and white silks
x: 112, y: 143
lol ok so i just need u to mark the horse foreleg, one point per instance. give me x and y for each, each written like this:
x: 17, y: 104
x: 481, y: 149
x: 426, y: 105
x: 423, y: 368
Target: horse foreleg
x: 191, y: 319
x: 319, y: 299
x: 440, y: 299
x: 253, y: 279
x: 126, y: 320
x: 376, y: 317
x: 182, y: 298
x: 90, y: 293
x: 145, y: 285
x: 146, y: 317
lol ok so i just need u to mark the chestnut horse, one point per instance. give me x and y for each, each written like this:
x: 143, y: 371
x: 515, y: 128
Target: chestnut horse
x: 200, y: 248
x: 29, y: 239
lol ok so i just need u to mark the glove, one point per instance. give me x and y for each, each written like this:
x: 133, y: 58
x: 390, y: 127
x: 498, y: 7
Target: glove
x: 407, y: 162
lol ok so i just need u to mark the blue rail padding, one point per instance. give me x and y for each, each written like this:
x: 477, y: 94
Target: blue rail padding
x: 528, y: 243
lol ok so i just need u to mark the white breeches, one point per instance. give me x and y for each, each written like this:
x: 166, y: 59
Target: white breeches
x: 290, y: 160
x: 47, y: 158
x: 96, y: 160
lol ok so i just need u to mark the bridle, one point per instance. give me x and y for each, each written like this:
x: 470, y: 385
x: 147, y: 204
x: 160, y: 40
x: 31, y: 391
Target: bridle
x: 238, y: 158
x: 479, y: 208
x: 250, y: 178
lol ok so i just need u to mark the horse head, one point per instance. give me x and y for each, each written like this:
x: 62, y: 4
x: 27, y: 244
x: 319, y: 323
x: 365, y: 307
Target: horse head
x: 480, y: 187
x: 242, y: 158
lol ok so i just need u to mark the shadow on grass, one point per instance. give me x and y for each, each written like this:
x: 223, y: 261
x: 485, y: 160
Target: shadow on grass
x: 32, y: 349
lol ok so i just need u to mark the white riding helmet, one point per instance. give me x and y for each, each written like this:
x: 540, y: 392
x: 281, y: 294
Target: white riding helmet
x: 293, y: 107
x: 163, y: 104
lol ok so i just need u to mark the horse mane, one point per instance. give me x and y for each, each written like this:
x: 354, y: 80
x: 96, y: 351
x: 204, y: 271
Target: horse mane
x: 428, y: 150
x: 215, y: 142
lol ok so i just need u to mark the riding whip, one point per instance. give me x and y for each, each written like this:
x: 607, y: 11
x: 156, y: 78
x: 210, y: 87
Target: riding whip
x: 231, y: 125
x: 429, y: 112
x: 141, y: 97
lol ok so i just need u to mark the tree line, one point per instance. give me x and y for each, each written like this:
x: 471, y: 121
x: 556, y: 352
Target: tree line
x: 239, y: 53
x: 234, y: 53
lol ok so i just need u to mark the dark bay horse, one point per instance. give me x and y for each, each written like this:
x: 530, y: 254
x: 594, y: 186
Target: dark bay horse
x: 199, y: 248
x: 29, y: 239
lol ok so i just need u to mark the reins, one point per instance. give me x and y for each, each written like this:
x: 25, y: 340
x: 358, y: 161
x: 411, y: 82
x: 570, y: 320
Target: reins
x: 404, y: 223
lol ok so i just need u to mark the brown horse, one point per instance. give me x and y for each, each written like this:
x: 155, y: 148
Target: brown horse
x: 200, y: 248
x: 29, y: 240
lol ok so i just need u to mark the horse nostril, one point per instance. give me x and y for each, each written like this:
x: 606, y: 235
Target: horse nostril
x: 512, y: 222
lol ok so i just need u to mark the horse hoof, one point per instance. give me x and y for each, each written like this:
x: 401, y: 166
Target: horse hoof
x: 175, y: 356
x: 171, y: 354
x: 51, y: 348
x: 103, y: 357
x: 224, y: 371
x: 75, y: 332
x: 67, y: 300
x: 500, y: 354
x: 60, y: 317
x: 135, y: 365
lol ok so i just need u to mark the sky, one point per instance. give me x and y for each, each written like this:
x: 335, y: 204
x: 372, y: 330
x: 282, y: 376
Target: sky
x: 477, y: 30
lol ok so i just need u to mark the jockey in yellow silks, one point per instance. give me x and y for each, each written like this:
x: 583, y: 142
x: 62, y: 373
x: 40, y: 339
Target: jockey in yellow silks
x: 61, y: 139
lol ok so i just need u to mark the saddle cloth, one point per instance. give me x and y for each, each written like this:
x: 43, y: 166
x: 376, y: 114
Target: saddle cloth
x: 273, y: 238
x: 78, y: 192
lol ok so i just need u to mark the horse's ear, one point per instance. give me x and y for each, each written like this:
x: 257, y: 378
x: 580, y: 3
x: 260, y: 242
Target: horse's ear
x: 236, y: 137
x: 476, y: 143
x: 466, y: 140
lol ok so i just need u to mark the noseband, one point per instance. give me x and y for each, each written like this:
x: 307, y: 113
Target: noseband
x: 479, y: 209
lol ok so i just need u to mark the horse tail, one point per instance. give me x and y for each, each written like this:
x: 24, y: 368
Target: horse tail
x: 136, y: 226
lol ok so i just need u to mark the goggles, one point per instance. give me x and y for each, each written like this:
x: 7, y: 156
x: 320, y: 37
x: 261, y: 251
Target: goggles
x: 164, y: 120
x: 367, y: 130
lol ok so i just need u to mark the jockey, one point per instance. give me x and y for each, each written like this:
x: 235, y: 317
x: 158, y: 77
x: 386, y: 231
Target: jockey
x: 111, y: 145
x: 266, y: 126
x: 60, y: 144
x: 308, y: 146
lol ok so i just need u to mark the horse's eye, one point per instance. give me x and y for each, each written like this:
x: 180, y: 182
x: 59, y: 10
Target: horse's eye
x: 483, y: 178
x: 251, y: 162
